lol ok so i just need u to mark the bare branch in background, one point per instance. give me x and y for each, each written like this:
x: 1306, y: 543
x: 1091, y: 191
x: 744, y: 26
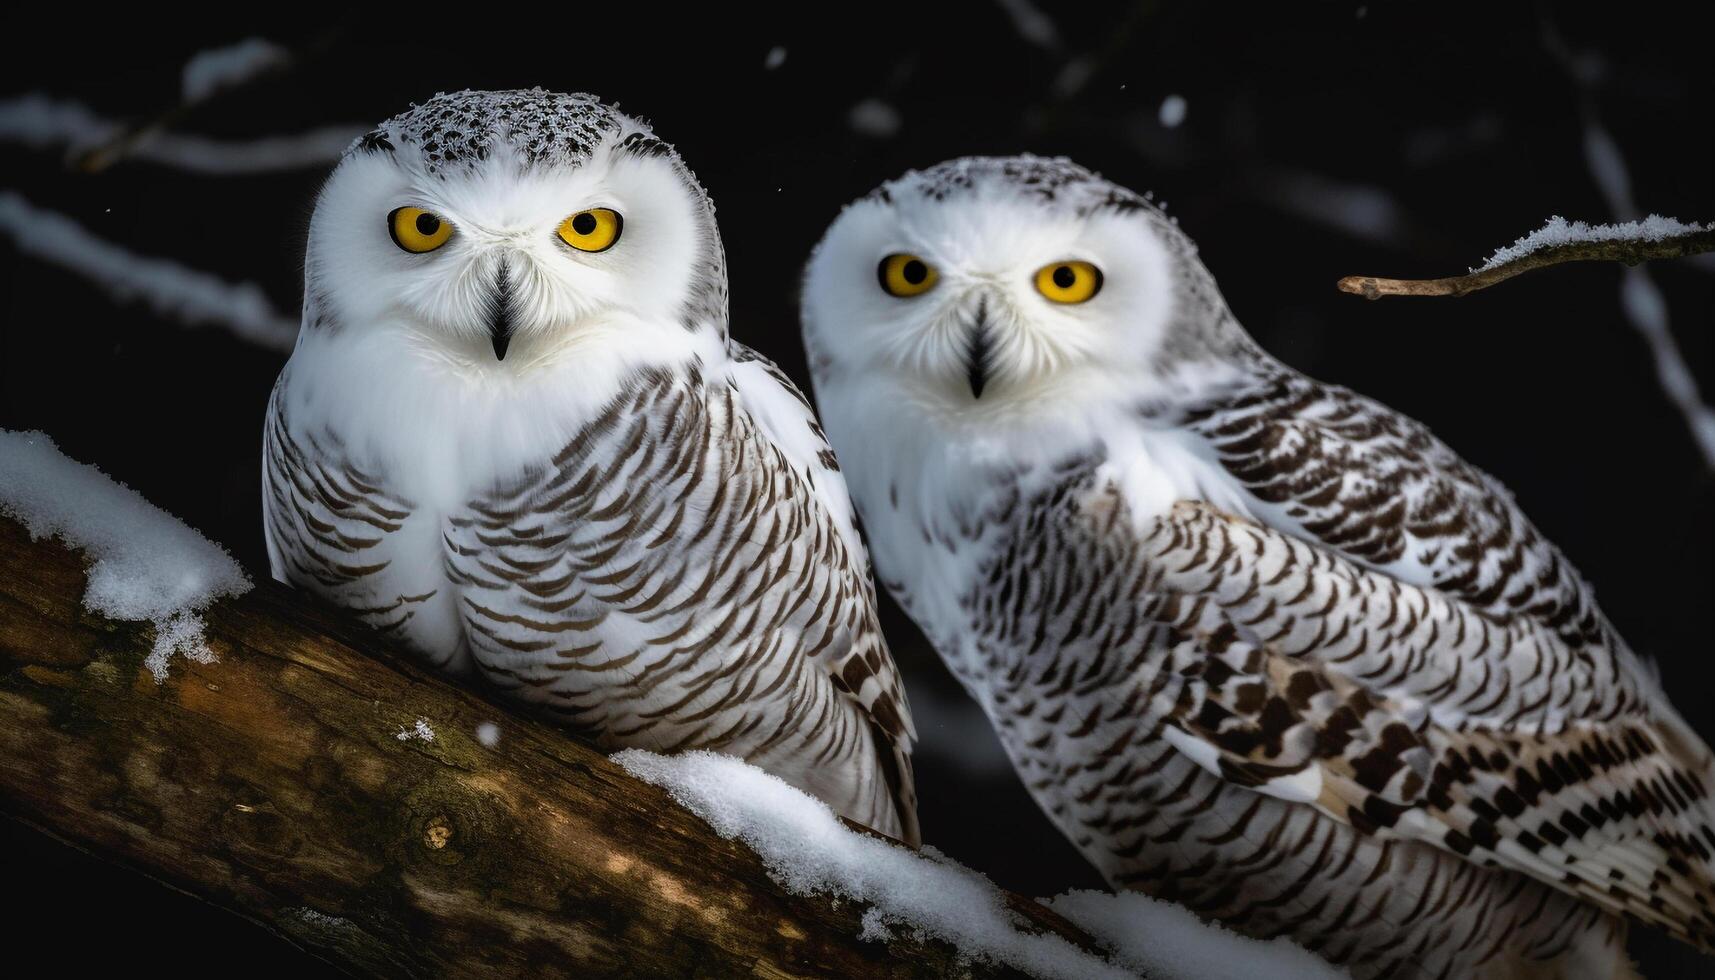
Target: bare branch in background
x: 1630, y: 251
x: 190, y: 296
x: 207, y: 76
x: 42, y: 122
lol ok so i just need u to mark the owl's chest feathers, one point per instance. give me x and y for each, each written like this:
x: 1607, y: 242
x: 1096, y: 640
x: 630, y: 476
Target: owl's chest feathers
x: 501, y: 497
x: 999, y: 548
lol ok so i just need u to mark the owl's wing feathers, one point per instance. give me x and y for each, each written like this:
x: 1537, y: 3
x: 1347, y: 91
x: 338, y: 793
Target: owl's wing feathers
x: 865, y: 672
x: 321, y: 513
x: 1404, y: 712
x: 1331, y: 466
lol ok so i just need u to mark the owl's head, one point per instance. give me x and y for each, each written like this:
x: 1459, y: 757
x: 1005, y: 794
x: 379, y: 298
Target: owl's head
x: 984, y: 288
x: 501, y: 230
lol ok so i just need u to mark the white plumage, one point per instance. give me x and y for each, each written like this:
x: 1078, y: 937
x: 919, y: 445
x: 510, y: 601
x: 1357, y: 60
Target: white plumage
x: 1256, y: 644
x: 514, y: 435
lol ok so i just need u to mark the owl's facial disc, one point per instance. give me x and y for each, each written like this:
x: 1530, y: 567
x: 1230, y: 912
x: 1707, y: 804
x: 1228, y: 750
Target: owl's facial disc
x: 419, y: 231
x: 989, y: 321
x: 988, y: 304
x: 514, y: 265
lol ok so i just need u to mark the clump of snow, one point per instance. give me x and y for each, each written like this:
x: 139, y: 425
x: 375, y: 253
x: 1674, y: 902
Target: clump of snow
x: 147, y: 564
x: 170, y: 289
x: 488, y: 734
x: 774, y: 59
x: 1559, y: 231
x: 809, y: 851
x: 210, y: 71
x: 1159, y: 939
x: 42, y: 123
x: 1172, y: 111
x: 419, y: 731
x: 874, y: 118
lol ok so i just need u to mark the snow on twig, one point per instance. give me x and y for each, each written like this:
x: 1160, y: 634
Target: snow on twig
x: 1557, y: 242
x: 1640, y: 298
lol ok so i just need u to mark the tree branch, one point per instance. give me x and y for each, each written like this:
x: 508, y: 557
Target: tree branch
x: 286, y: 783
x: 1628, y: 251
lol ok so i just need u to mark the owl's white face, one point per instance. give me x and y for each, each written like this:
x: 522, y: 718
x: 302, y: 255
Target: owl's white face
x: 986, y: 304
x: 509, y: 265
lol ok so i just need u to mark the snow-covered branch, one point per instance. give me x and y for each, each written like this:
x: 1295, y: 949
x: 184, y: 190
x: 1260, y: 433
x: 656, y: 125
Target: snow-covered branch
x: 1555, y: 243
x: 145, y: 564
x: 190, y: 296
x: 373, y: 813
x: 311, y: 779
x: 810, y: 852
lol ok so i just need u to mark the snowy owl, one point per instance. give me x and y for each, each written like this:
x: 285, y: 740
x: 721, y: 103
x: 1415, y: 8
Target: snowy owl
x: 1256, y: 644
x: 515, y: 436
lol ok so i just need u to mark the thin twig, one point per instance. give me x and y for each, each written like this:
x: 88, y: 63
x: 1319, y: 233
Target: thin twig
x: 1628, y: 251
x: 97, y: 159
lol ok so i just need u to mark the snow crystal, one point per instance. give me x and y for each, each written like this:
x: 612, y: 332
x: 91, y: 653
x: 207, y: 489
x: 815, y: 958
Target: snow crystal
x: 809, y: 851
x: 1159, y: 939
x: 170, y: 289
x: 1559, y: 231
x: 210, y: 71
x: 1172, y: 111
x: 488, y: 734
x: 315, y: 918
x: 419, y: 731
x: 774, y: 59
x: 874, y: 118
x: 147, y: 565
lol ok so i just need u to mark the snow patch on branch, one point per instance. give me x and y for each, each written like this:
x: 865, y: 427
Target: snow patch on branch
x: 1558, y: 231
x: 1160, y: 939
x: 419, y: 731
x: 189, y: 296
x: 41, y: 122
x: 809, y: 851
x: 147, y: 564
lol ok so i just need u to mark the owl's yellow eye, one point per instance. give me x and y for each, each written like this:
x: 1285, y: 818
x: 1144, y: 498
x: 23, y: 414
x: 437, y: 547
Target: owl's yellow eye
x: 1069, y: 282
x: 416, y: 230
x: 906, y: 275
x: 594, y: 230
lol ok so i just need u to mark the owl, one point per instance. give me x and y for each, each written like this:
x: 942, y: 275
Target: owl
x: 1256, y: 644
x: 515, y: 436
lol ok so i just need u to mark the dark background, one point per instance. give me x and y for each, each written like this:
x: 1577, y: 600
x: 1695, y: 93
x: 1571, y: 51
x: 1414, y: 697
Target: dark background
x: 1320, y: 141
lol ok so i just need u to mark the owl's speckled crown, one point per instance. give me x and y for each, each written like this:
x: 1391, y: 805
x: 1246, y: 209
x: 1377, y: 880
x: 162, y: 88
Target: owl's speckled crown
x: 1047, y: 179
x: 461, y: 128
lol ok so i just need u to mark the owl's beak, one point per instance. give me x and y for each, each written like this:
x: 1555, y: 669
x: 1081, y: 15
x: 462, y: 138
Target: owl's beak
x: 500, y: 313
x: 977, y: 350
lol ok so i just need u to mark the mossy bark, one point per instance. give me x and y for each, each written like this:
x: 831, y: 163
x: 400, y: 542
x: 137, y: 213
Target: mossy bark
x: 274, y: 784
